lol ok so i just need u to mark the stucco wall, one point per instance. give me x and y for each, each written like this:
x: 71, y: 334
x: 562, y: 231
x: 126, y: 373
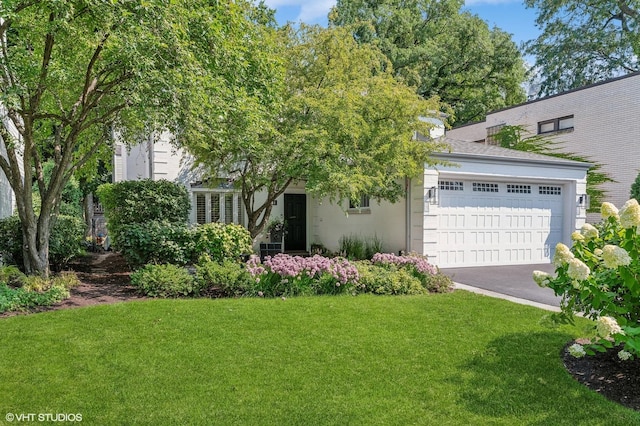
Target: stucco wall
x: 606, y: 128
x: 384, y: 220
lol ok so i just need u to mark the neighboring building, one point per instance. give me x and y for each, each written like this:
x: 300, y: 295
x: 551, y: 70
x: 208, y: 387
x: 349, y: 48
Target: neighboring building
x: 599, y: 122
x: 491, y: 206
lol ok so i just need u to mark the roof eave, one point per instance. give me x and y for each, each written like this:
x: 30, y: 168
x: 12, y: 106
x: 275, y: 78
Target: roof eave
x: 569, y: 164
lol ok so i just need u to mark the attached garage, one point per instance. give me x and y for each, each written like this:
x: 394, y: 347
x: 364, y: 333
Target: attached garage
x: 497, y: 223
x: 494, y: 206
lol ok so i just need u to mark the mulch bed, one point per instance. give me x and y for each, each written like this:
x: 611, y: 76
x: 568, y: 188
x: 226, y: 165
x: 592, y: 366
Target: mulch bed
x: 606, y: 374
x: 105, y: 278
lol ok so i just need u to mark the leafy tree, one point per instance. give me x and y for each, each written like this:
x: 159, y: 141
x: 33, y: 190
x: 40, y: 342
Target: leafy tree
x: 441, y: 51
x: 584, y: 42
x: 515, y: 137
x: 316, y: 107
x: 635, y: 188
x: 72, y: 71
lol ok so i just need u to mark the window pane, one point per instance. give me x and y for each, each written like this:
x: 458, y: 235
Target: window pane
x: 240, y: 212
x: 565, y: 123
x: 228, y: 208
x: 547, y: 127
x: 201, y: 216
x: 215, y: 207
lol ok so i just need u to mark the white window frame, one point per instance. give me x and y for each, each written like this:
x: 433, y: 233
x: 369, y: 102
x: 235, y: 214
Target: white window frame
x: 238, y: 214
x: 364, y: 207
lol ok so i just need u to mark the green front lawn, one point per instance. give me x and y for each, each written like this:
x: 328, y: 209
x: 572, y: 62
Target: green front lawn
x: 440, y: 359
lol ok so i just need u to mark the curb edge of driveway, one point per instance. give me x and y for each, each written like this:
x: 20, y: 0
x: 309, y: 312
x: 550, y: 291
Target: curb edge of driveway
x: 513, y: 299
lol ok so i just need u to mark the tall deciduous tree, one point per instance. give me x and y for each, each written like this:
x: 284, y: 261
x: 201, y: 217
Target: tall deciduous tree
x: 71, y: 71
x: 583, y: 42
x: 316, y: 107
x: 442, y: 51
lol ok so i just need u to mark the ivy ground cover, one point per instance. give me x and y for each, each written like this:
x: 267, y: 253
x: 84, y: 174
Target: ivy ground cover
x: 445, y: 359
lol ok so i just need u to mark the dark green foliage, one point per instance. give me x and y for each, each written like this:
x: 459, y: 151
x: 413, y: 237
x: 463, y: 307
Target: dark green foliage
x: 440, y: 50
x: 584, y: 42
x: 154, y: 242
x: 635, y: 188
x: 179, y: 243
x: 226, y: 279
x: 352, y: 247
x: 164, y: 281
x: 514, y: 137
x: 11, y: 241
x: 12, y: 276
x: 71, y: 199
x: 355, y: 247
x: 142, y: 201
x: 66, y: 241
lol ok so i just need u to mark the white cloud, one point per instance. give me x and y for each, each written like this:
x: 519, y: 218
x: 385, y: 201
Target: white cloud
x: 310, y: 11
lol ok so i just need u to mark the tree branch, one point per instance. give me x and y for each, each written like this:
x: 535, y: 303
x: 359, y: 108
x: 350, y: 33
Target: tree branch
x: 44, y: 68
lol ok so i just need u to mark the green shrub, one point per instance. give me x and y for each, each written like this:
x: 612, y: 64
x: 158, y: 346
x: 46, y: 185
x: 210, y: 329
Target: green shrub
x: 388, y: 280
x: 12, y: 276
x: 180, y: 244
x: 11, y: 240
x: 437, y: 283
x: 65, y: 243
x: 163, y: 281
x: 142, y: 201
x: 19, y: 299
x: 155, y: 242
x: 355, y: 247
x: 635, y: 188
x: 372, y: 245
x: 220, y: 241
x: 352, y: 247
x: 226, y: 279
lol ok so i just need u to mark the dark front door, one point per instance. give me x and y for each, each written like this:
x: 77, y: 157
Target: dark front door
x: 295, y: 213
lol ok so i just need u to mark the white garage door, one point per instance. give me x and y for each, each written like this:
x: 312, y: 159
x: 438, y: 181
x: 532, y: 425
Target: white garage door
x: 497, y: 223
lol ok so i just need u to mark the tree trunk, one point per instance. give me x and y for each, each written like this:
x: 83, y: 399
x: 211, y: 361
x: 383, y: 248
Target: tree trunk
x: 35, y: 248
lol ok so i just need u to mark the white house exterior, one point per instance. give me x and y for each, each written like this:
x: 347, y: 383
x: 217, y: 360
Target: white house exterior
x: 490, y: 206
x: 599, y: 122
x: 7, y: 197
x: 6, y: 194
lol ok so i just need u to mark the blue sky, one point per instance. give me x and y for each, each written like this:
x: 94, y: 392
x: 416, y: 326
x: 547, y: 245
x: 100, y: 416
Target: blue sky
x: 509, y: 15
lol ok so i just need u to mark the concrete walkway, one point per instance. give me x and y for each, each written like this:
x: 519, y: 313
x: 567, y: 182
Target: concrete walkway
x: 512, y: 282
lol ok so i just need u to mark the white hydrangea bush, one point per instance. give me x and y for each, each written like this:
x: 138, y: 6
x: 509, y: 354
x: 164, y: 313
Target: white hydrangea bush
x: 599, y: 276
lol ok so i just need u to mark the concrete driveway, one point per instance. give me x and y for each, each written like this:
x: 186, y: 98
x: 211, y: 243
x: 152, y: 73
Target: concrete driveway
x: 513, y: 282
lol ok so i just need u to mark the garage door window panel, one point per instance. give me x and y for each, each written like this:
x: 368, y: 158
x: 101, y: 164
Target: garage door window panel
x: 485, y: 187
